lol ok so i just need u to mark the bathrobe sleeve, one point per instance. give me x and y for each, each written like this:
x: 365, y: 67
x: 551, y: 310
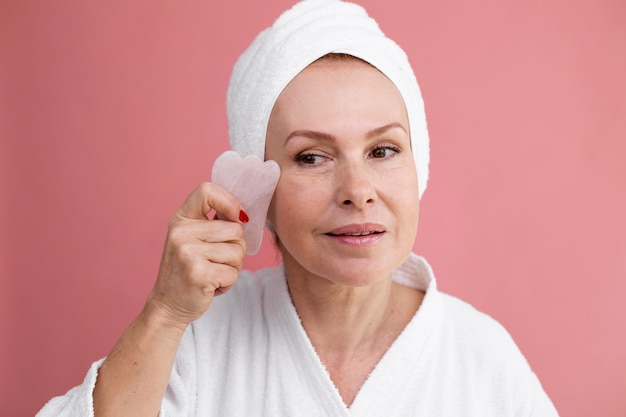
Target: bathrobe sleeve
x: 530, y: 398
x: 180, y: 395
x: 77, y: 402
x: 178, y: 401
x: 489, y: 357
x: 535, y: 402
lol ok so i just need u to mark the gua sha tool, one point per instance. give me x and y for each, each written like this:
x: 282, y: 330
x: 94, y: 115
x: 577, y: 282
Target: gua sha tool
x: 252, y: 182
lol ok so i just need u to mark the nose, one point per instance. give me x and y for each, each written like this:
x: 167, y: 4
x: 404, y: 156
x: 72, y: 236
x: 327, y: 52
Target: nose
x: 355, y: 186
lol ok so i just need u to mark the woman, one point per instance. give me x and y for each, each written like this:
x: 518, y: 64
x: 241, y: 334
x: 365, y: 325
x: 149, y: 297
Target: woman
x: 352, y: 322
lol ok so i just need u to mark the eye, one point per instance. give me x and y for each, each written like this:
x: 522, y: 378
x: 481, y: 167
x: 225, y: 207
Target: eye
x: 309, y: 158
x: 384, y: 151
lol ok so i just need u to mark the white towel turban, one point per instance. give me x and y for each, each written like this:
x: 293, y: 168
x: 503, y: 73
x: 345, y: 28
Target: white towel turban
x: 301, y: 35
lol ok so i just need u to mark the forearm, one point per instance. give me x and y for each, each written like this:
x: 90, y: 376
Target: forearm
x: 133, y: 378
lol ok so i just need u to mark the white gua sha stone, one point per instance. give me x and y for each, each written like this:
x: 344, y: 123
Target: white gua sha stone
x: 252, y: 182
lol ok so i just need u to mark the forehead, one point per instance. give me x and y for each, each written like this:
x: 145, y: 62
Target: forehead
x: 334, y: 66
x: 340, y: 85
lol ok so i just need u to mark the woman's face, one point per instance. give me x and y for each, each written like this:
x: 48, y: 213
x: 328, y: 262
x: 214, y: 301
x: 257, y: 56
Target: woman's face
x: 346, y: 206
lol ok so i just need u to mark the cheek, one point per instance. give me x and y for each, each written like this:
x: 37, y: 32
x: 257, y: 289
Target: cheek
x: 279, y: 207
x: 297, y: 201
x: 406, y: 208
x: 285, y: 204
x: 405, y: 195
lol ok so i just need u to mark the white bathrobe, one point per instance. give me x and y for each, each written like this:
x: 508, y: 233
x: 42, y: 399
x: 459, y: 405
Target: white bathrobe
x: 250, y: 356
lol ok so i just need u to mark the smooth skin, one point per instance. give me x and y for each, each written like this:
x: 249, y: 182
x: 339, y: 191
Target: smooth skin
x: 345, y: 212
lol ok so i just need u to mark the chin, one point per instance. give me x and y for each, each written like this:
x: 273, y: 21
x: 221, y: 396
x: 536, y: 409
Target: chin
x: 343, y: 269
x: 356, y: 273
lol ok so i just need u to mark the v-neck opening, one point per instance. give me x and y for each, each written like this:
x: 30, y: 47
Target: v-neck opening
x: 395, y: 366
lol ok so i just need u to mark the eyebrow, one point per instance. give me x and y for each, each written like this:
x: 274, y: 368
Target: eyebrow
x: 313, y: 134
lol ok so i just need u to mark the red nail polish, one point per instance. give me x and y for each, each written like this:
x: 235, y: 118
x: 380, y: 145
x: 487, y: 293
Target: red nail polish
x: 243, y: 217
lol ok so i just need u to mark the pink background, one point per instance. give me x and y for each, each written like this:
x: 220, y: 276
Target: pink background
x: 113, y: 111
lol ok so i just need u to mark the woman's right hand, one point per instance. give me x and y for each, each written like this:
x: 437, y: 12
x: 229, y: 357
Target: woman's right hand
x: 201, y: 257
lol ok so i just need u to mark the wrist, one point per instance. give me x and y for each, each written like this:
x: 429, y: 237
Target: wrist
x: 157, y: 318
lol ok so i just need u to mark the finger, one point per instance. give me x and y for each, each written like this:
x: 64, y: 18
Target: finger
x: 210, y: 196
x: 198, y: 271
x: 224, y: 276
x: 231, y: 254
x: 206, y: 231
x: 212, y: 278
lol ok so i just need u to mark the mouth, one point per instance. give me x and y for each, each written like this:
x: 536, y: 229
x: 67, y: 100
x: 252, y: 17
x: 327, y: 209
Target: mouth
x: 354, y: 234
x: 357, y: 230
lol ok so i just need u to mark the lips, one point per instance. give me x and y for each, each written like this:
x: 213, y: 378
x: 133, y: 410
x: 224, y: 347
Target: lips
x: 362, y: 229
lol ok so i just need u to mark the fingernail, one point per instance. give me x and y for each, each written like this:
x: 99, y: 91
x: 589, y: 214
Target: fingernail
x: 243, y: 217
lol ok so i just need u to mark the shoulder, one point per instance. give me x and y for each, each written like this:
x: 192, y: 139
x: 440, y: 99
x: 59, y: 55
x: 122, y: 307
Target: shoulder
x: 457, y: 319
x: 480, y: 333
x: 488, y: 354
x: 483, y: 349
x: 237, y: 319
x: 465, y: 318
x: 252, y: 285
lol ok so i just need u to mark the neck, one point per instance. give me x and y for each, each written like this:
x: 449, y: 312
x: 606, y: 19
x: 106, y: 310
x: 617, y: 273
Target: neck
x: 338, y: 317
x: 342, y: 320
